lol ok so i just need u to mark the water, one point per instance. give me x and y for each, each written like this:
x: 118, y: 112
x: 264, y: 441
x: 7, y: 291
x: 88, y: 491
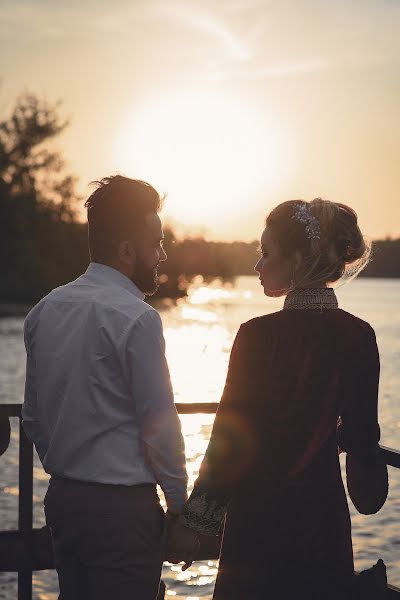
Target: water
x: 199, y: 332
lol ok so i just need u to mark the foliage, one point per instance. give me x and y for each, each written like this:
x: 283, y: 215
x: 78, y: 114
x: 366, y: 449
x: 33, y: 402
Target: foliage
x: 41, y: 243
x: 190, y: 257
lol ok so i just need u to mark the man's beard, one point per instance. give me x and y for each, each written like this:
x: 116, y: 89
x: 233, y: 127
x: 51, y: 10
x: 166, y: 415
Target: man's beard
x: 145, y: 278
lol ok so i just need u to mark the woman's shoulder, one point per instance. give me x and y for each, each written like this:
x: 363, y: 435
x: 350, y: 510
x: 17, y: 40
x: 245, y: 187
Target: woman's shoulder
x: 353, y: 325
x: 261, y: 323
x: 356, y: 324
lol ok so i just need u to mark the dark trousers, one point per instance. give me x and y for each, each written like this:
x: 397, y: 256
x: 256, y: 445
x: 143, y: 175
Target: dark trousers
x: 107, y: 539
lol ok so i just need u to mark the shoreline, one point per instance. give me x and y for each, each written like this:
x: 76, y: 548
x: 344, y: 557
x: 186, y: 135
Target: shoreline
x: 20, y: 309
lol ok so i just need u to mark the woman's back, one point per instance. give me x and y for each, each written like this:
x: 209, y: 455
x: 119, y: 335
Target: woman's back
x: 308, y: 368
x: 292, y: 374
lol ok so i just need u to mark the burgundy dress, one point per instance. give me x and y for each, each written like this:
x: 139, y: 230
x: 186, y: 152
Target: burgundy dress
x: 300, y: 382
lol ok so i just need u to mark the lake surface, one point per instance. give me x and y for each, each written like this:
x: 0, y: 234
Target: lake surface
x: 199, y: 332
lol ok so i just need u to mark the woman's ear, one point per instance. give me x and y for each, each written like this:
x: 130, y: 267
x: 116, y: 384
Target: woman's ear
x: 127, y: 254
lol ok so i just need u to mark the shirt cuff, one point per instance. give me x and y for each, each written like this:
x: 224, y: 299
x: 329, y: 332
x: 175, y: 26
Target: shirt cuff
x: 176, y: 505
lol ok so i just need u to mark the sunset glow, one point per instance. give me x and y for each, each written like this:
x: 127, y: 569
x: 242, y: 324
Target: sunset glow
x: 229, y: 108
x: 211, y: 152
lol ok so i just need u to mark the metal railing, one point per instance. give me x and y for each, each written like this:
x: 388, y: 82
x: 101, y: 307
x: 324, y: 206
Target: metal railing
x: 27, y: 549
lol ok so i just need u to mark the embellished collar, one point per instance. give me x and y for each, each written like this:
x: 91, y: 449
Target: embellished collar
x: 311, y: 299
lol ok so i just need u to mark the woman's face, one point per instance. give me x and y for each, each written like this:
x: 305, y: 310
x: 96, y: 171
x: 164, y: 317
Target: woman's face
x: 276, y: 271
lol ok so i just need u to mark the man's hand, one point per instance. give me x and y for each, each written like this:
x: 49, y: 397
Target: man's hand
x: 181, y: 543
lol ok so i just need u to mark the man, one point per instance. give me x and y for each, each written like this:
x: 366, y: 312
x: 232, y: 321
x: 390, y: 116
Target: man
x: 99, y: 405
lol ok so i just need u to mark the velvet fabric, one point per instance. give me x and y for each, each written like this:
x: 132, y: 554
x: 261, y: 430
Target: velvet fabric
x: 299, y: 384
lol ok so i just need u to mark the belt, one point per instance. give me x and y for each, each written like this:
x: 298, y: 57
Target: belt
x: 98, y: 484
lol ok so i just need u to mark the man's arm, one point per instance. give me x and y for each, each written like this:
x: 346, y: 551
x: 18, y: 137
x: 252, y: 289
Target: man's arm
x: 160, y: 428
x: 30, y: 415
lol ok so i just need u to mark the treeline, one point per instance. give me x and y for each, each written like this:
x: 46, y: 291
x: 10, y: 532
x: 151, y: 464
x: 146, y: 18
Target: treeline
x: 385, y: 261
x: 43, y: 244
x: 190, y: 257
x: 227, y: 260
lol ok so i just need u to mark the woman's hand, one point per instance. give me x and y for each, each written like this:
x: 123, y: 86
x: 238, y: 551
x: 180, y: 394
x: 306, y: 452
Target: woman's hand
x: 181, y: 544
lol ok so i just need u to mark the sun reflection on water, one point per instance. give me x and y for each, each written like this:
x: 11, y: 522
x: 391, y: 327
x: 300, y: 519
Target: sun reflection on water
x: 198, y: 358
x: 195, y: 314
x: 217, y: 293
x: 205, y: 295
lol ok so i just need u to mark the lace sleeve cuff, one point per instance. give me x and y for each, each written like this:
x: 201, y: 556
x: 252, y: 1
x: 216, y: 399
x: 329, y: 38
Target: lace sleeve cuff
x: 203, y: 515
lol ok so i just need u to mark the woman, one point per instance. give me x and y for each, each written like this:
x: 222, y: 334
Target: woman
x: 300, y: 383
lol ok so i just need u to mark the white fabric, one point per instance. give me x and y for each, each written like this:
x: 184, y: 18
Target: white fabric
x: 99, y: 403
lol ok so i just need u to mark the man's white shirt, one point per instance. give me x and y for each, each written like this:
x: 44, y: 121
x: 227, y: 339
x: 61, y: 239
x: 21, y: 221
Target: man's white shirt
x: 99, y: 403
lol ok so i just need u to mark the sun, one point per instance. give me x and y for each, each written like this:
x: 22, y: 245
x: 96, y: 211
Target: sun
x: 213, y: 153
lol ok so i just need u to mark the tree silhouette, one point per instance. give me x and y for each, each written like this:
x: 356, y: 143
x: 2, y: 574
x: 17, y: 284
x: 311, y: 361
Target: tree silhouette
x: 40, y: 240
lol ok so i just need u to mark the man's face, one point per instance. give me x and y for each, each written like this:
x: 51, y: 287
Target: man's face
x: 149, y: 254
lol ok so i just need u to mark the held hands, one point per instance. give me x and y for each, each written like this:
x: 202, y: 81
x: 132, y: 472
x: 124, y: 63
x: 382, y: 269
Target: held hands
x: 181, y: 544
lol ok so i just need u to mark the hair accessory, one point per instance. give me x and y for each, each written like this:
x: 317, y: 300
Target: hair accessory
x: 302, y: 213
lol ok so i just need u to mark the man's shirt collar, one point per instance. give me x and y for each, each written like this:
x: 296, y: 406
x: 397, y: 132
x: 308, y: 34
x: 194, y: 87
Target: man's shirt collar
x: 106, y: 274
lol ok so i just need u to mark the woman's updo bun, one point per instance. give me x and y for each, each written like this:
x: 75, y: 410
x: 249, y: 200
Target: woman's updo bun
x: 350, y: 242
x: 327, y: 236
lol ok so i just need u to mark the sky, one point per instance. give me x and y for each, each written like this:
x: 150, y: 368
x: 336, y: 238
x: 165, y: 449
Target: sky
x: 228, y: 106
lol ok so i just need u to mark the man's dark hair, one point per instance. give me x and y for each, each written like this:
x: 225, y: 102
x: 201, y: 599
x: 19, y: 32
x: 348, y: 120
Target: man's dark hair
x: 116, y: 211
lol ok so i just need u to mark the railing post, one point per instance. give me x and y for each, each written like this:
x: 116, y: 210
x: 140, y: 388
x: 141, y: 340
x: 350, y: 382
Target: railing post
x: 25, y: 516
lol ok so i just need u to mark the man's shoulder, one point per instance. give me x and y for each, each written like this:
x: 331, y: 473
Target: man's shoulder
x: 55, y: 294
x: 103, y: 302
x: 124, y: 303
x: 97, y: 299
x: 134, y: 311
x: 129, y: 315
x: 121, y: 311
x: 35, y: 311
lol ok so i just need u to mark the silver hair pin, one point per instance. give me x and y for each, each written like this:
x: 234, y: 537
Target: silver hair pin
x: 302, y: 213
